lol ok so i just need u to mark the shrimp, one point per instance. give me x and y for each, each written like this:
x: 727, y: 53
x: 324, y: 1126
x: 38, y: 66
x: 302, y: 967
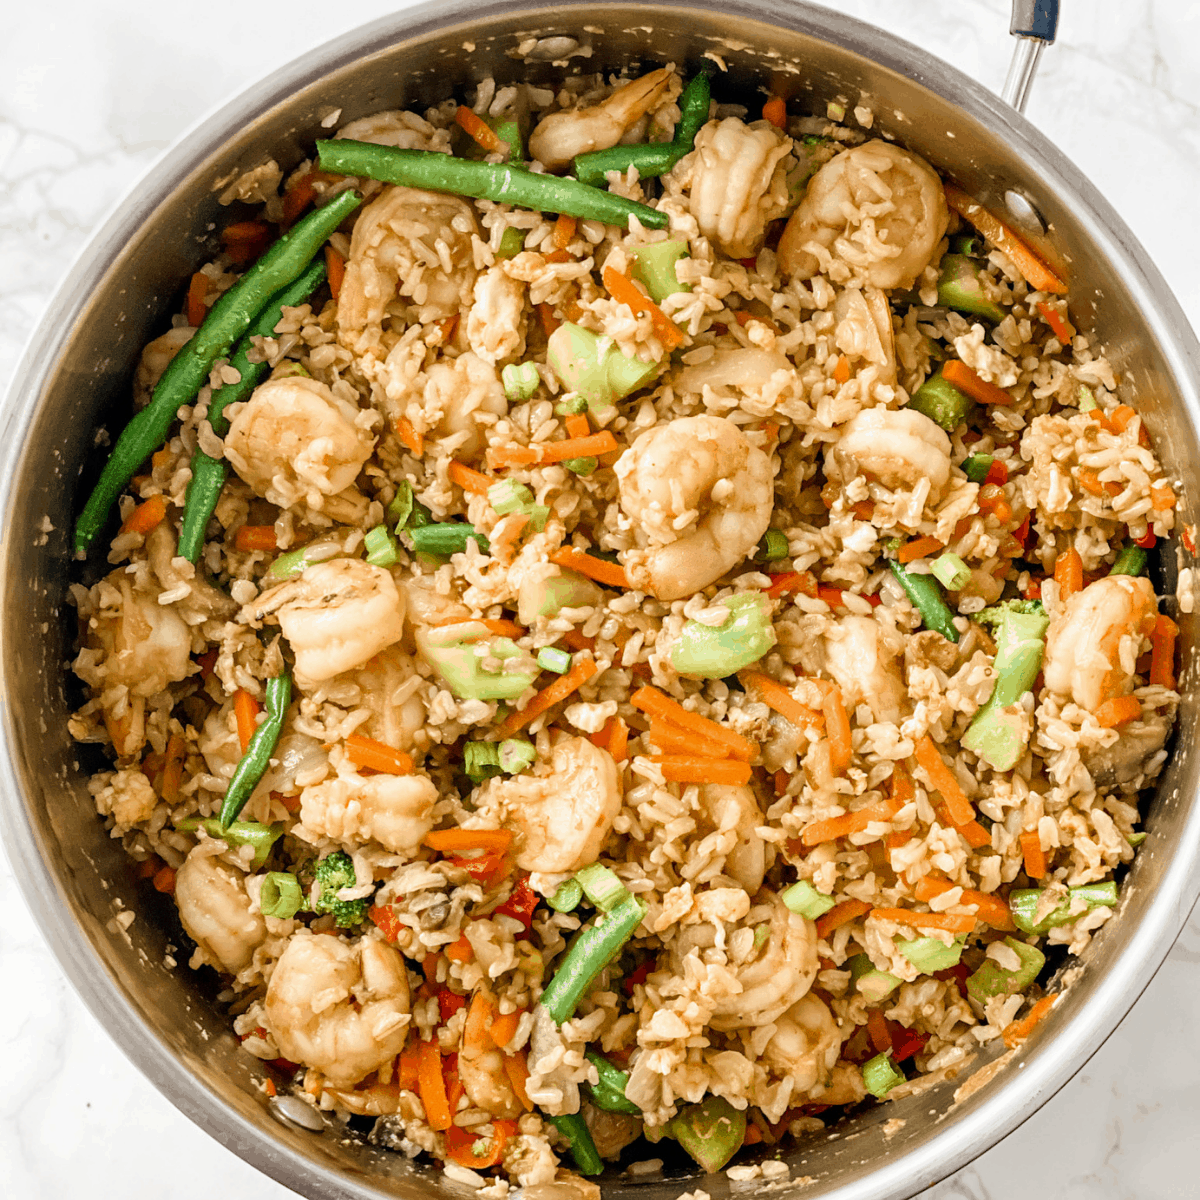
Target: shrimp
x: 460, y: 395
x: 732, y: 812
x: 394, y: 810
x: 407, y: 242
x: 562, y: 810
x: 336, y: 615
x: 805, y: 1045
x: 1093, y: 643
x: 862, y: 659
x: 340, y: 1005
x: 204, y: 600
x: 752, y: 378
x: 896, y: 447
x: 156, y: 358
x: 701, y: 496
x: 876, y: 210
x: 864, y: 330
x: 296, y: 442
x: 217, y: 913
x: 494, y: 325
x: 387, y: 688
x: 738, y: 183
x: 558, y: 138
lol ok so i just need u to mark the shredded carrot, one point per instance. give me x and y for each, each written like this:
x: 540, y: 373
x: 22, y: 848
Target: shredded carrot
x: 147, y: 516
x: 458, y: 841
x: 877, y: 1031
x: 658, y: 704
x: 164, y: 880
x: 974, y: 833
x: 837, y: 727
x: 518, y: 1073
x: 574, y: 640
x: 991, y: 909
x: 335, y: 268
x: 1063, y: 329
x: 300, y: 194
x: 744, y: 316
x: 577, y: 426
x: 255, y: 537
x: 622, y: 289
x: 803, y: 582
x: 1068, y: 572
x: 197, y: 292
x: 943, y: 781
x: 1123, y: 416
x: 609, y: 573
x: 775, y: 111
x: 1090, y: 481
x: 1033, y: 854
x: 245, y: 710
x: 461, y: 950
x: 407, y: 1071
x: 582, y: 669
x: 503, y: 627
x: 432, y: 1086
x: 919, y: 548
x: 618, y: 739
x: 245, y: 240
x: 506, y: 534
x: 408, y: 434
x: 564, y: 231
x: 504, y: 1027
x: 753, y: 1135
x: 1018, y: 1031
x: 841, y: 369
x: 1120, y: 710
x: 898, y: 838
x: 269, y: 1085
x: 839, y: 915
x: 671, y: 738
x: 594, y: 445
x: 1162, y: 496
x: 1162, y: 652
x: 687, y: 768
x: 832, y: 828
x: 476, y: 128
x: 962, y: 377
x: 1037, y: 273
x: 173, y: 769
x: 775, y: 696
x: 378, y: 756
x: 549, y: 321
x: 902, y: 786
x: 468, y: 478
x: 953, y: 922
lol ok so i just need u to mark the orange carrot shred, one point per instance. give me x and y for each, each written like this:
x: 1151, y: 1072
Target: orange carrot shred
x: 687, y: 768
x: 841, y: 369
x: 877, y: 1031
x: 967, y: 381
x: 460, y: 841
x: 919, y: 548
x: 1063, y: 329
x: 564, y: 231
x: 779, y: 698
x: 1120, y: 710
x: 658, y: 704
x: 517, y: 1072
x: 504, y: 1027
x: 839, y: 915
x: 173, y: 769
x: 992, y: 910
x: 952, y: 922
x: 378, y: 756
x: 255, y: 537
x: 1162, y: 652
x: 582, y: 669
x: 837, y: 727
x: 468, y: 478
x: 1068, y: 572
x: 432, y: 1086
x: 164, y: 880
x: 549, y: 321
x: 943, y: 781
x: 460, y: 950
x: 622, y: 289
x: 1162, y: 496
x: 1033, y: 854
x: 335, y: 266
x: 147, y: 516
x: 408, y: 435
x: 593, y: 445
x: 775, y: 111
x: 245, y: 711
x: 673, y: 739
x: 476, y: 128
x: 197, y: 292
x: 577, y: 426
x: 1018, y: 1031
x: 599, y: 569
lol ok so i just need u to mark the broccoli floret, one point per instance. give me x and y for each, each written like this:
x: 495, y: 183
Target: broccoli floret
x: 991, y: 617
x: 333, y: 873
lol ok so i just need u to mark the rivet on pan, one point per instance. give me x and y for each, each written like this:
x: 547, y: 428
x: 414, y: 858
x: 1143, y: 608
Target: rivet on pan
x: 291, y: 1110
x: 1021, y: 209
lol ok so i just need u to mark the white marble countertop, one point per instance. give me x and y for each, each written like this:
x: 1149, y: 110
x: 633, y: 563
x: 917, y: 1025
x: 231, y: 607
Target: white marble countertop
x: 92, y: 90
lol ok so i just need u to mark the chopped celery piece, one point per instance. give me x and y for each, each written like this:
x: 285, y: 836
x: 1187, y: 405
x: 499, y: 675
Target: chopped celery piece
x: 654, y: 265
x: 446, y: 538
x: 880, y: 1075
x: 941, y: 402
x: 977, y: 466
x: 602, y: 887
x: 928, y: 954
x: 281, y: 896
x: 296, y: 562
x: 382, y: 550
x: 1131, y: 561
x: 401, y: 507
x: 566, y: 896
x: 873, y: 984
x: 959, y: 287
x: 512, y: 242
x: 1023, y: 903
x: 582, y: 466
x: 715, y: 651
x: 509, y: 496
x: 593, y: 367
x: 804, y: 899
x: 1087, y: 398
x: 521, y: 380
x: 538, y: 515
x: 772, y: 546
x: 712, y: 1132
x: 951, y: 570
x: 481, y: 760
x: 1136, y: 839
x: 516, y: 755
x: 994, y: 980
x: 551, y: 658
x: 547, y: 594
x: 457, y: 652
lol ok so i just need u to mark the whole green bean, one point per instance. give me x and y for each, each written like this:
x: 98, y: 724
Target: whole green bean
x: 926, y: 597
x: 502, y: 182
x: 227, y: 320
x: 209, y: 474
x: 574, y: 1128
x: 253, y: 763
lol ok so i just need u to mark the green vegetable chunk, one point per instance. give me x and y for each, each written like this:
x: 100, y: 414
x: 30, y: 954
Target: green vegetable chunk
x: 712, y: 1132
x: 654, y: 265
x: 999, y: 731
x: 238, y: 833
x: 501, y: 182
x: 804, y: 899
x: 257, y: 757
x: 880, y: 1075
x: 382, y: 549
x: 446, y: 538
x: 959, y: 287
x: 977, y: 466
x: 928, y: 954
x: 334, y: 872
x: 593, y: 367
x: 551, y: 658
x: 950, y: 570
x: 512, y: 242
x: 582, y: 466
x: 517, y: 755
x: 521, y: 380
x: 545, y: 593
x: 602, y: 887
x: 566, y: 896
x: 457, y: 652
x: 994, y: 980
x: 509, y: 496
x: 926, y: 598
x: 281, y: 896
x: 941, y: 402
x: 609, y: 1092
x: 772, y: 546
x: 296, y: 562
x: 873, y: 984
x: 1131, y: 561
x: 574, y: 1128
x: 1023, y: 904
x: 481, y: 760
x: 716, y: 651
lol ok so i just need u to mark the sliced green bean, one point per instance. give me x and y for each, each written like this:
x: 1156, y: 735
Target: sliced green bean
x: 609, y: 1092
x: 227, y: 320
x: 257, y: 757
x: 926, y: 597
x: 209, y: 474
x: 501, y: 182
x: 574, y: 1128
x: 1131, y: 561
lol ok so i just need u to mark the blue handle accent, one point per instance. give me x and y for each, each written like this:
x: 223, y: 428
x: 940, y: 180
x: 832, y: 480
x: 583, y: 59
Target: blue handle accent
x: 1034, y: 19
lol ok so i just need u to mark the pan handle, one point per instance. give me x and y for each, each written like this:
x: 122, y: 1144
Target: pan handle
x: 1034, y: 24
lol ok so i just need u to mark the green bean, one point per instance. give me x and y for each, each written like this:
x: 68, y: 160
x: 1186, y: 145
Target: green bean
x: 1131, y: 561
x: 609, y: 1092
x: 227, y: 320
x: 574, y: 1128
x: 501, y: 182
x: 239, y: 833
x: 712, y: 1132
x: 254, y: 762
x: 209, y: 474
x: 926, y: 598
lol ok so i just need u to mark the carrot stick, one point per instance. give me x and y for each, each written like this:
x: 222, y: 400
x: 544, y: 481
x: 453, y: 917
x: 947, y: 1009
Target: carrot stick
x: 1057, y: 321
x: 407, y: 1070
x: 475, y: 127
x: 147, y: 516
x: 504, y: 1027
x: 963, y: 378
x: 919, y: 548
x: 793, y: 581
x: 408, y: 435
x: 468, y: 478
x: 335, y: 266
x: 1162, y: 496
x: 658, y: 704
x: 953, y: 922
x: 1162, y: 652
x: 877, y: 1031
x: 245, y: 711
x: 1068, y: 572
x: 549, y: 321
x: 618, y: 740
x: 502, y: 627
x: 582, y: 669
x: 622, y: 289
x: 599, y: 569
x: 197, y: 291
x: 832, y: 828
x: 775, y: 696
x: 837, y: 728
x: 1035, y: 857
x: 687, y: 768
x: 1037, y: 274
x: 461, y: 950
x: 574, y: 640
x: 577, y: 426
x: 164, y: 880
x: 775, y: 111
x: 992, y: 910
x: 673, y: 738
x: 458, y: 841
x: 943, y: 781
x: 839, y: 914
x: 255, y: 537
x: 518, y: 1073
x: 431, y: 1086
x: 841, y: 369
x: 377, y: 756
x: 1120, y: 710
x: 593, y: 445
x: 564, y: 231
x: 1018, y: 1031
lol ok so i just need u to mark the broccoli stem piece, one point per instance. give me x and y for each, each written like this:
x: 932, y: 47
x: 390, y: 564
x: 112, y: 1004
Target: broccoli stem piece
x: 998, y: 732
x: 654, y: 265
x: 593, y: 367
